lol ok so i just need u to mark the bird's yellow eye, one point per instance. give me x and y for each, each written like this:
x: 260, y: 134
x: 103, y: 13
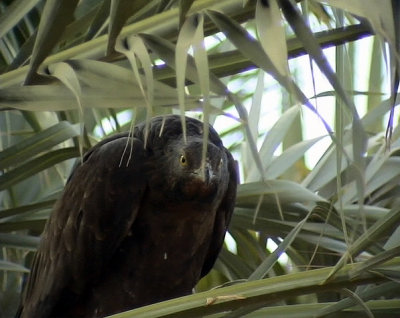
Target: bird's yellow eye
x: 183, y: 160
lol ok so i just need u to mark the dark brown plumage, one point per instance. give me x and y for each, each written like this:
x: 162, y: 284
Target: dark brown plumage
x: 136, y: 224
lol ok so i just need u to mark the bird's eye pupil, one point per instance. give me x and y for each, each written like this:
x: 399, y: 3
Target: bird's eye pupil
x: 183, y: 160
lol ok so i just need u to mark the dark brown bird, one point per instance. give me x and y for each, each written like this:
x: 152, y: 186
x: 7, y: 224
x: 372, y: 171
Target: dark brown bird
x: 137, y: 223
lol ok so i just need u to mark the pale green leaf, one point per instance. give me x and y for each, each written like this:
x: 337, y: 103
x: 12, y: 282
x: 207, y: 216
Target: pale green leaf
x: 309, y: 310
x: 9, y: 266
x: 103, y: 85
x: 66, y: 74
x: 19, y: 241
x: 372, y: 262
x: 273, y: 139
x: 380, y: 228
x: 253, y: 121
x: 271, y: 34
x: 36, y: 165
x: 137, y: 50
x: 120, y: 11
x: 184, y: 7
x: 263, y: 269
x: 56, y: 15
x: 378, y: 13
x: 280, y: 164
x: 287, y: 191
x: 27, y: 208
x: 247, y: 294
x: 252, y: 49
x: 14, y: 13
x: 184, y: 42
x: 362, y: 296
x: 36, y: 144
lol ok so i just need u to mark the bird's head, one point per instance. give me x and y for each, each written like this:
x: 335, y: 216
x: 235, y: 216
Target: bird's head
x: 189, y: 175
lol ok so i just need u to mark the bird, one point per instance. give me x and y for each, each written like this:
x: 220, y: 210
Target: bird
x: 142, y: 219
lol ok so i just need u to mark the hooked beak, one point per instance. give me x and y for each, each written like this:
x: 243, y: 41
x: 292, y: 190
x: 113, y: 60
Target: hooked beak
x: 205, y: 173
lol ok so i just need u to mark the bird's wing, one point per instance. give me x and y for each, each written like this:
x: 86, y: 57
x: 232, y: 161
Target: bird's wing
x: 95, y: 213
x: 223, y: 216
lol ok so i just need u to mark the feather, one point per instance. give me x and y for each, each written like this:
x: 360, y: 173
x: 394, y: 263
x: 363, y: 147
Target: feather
x: 143, y: 230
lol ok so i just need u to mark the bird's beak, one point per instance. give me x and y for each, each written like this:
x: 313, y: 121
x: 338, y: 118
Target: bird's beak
x: 208, y: 173
x: 205, y: 173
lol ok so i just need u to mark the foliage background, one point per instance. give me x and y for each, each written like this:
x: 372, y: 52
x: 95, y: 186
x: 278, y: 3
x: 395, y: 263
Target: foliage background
x: 303, y: 243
